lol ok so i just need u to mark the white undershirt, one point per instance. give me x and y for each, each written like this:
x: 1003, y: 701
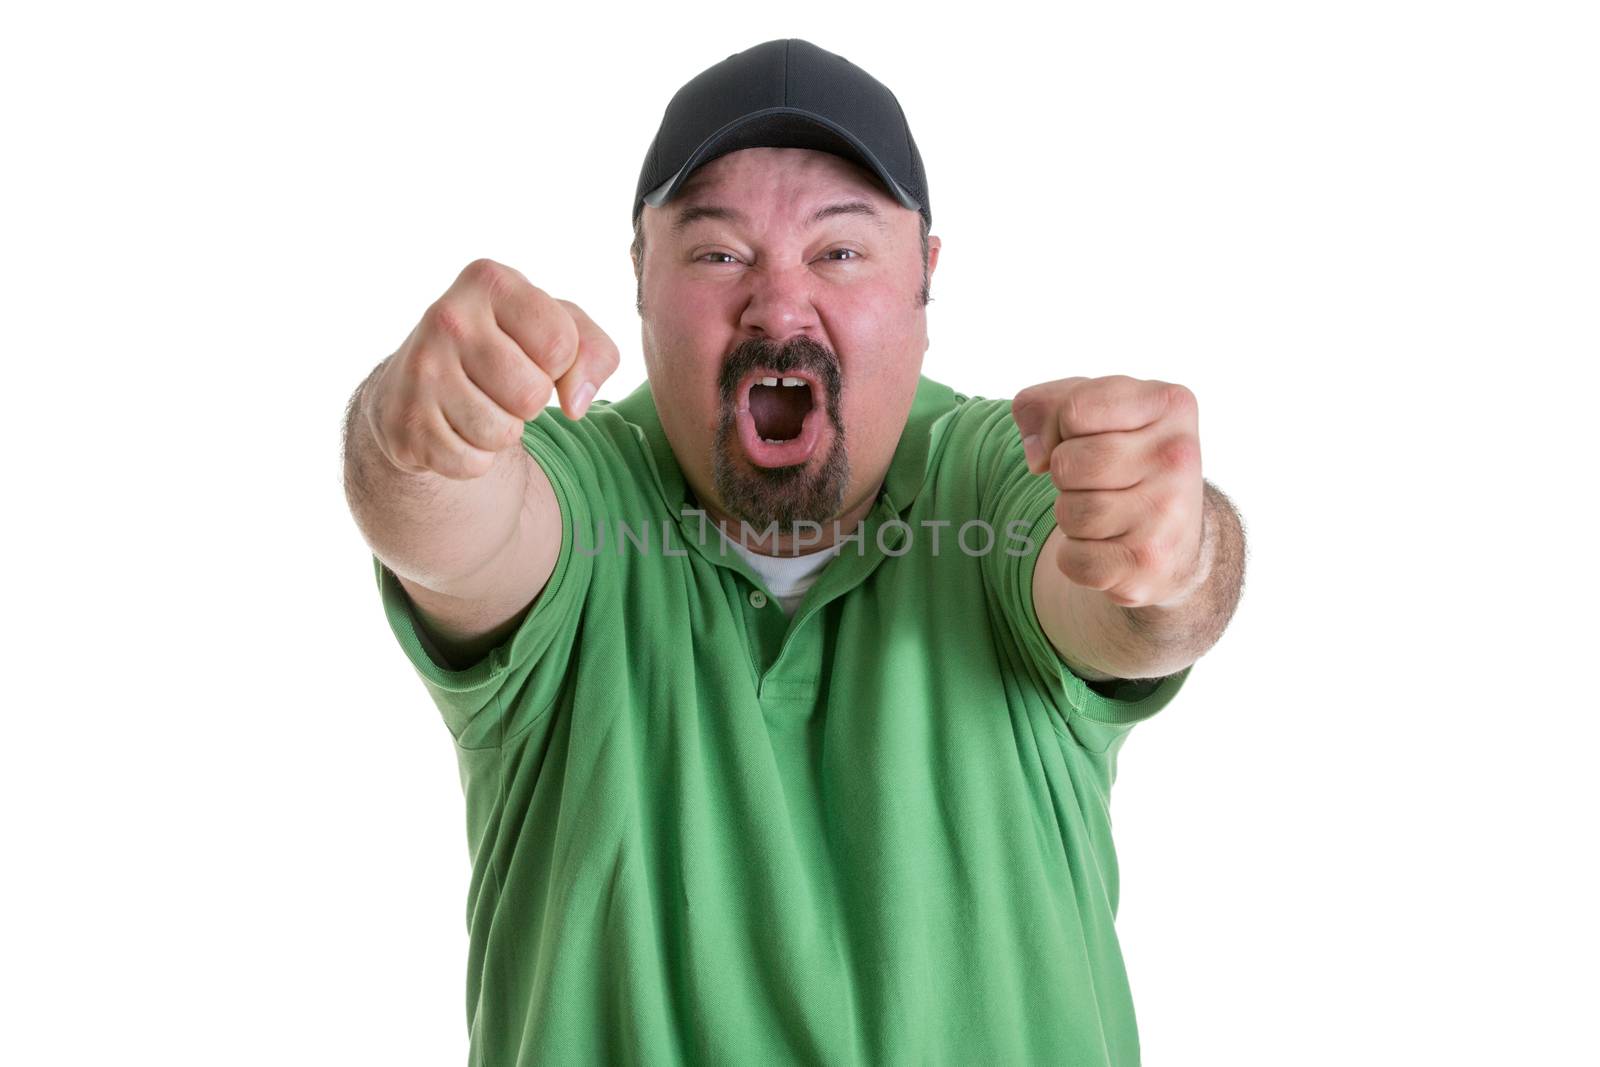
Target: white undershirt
x: 786, y: 577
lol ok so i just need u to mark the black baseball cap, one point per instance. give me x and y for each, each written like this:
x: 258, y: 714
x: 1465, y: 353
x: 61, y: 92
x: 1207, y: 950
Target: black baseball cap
x: 784, y: 94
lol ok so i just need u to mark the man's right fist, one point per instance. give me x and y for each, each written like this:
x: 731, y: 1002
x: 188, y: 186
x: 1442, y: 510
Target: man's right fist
x: 484, y: 360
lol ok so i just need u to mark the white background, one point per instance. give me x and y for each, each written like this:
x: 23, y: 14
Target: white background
x: 1363, y: 233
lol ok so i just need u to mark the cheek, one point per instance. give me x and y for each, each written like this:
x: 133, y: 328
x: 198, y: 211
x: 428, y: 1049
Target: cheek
x: 886, y: 343
x: 704, y: 305
x: 686, y: 322
x: 691, y: 333
x: 877, y: 327
x: 686, y: 296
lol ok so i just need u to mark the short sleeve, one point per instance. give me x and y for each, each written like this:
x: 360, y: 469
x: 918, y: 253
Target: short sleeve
x: 1020, y: 507
x: 515, y: 682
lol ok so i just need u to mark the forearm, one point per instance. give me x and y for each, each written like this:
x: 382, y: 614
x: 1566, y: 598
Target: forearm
x: 1154, y: 641
x: 432, y: 530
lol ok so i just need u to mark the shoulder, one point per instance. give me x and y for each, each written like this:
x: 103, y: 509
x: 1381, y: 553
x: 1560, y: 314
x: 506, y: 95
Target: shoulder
x: 601, y: 457
x: 974, y: 443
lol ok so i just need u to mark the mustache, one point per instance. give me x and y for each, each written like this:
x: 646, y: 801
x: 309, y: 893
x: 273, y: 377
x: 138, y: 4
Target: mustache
x: 797, y: 354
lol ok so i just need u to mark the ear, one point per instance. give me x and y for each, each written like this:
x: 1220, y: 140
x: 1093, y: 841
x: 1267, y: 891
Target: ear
x: 933, y: 254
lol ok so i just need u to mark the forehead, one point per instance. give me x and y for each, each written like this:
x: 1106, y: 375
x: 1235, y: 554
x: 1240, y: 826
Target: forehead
x: 787, y: 186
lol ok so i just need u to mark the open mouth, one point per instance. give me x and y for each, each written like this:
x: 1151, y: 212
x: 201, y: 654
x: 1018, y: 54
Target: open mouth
x: 779, y: 407
x: 780, y: 417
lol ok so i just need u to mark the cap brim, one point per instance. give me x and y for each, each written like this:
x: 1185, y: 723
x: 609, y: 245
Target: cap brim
x: 781, y: 127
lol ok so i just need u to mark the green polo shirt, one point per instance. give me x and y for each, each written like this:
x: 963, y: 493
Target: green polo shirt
x: 703, y: 832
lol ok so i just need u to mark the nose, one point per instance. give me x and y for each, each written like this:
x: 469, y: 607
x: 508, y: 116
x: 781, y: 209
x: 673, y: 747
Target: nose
x: 779, y: 304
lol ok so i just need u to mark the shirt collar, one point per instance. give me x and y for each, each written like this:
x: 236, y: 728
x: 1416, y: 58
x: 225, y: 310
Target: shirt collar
x: 907, y: 469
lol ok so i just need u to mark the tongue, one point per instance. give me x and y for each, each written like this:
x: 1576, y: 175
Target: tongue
x: 779, y: 410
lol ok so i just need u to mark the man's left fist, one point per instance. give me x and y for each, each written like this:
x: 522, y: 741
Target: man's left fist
x: 1124, y: 454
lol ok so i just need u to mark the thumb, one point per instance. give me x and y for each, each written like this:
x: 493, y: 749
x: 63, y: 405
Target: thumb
x: 1033, y: 410
x: 596, y: 361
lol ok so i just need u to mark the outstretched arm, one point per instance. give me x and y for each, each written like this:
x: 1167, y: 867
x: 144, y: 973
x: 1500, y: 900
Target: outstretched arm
x: 1146, y: 564
x: 1087, y: 627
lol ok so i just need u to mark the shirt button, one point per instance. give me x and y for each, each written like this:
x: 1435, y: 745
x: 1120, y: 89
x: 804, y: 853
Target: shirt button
x: 758, y: 599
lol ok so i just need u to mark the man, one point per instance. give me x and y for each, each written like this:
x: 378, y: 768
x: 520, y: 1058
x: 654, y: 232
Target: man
x: 787, y: 690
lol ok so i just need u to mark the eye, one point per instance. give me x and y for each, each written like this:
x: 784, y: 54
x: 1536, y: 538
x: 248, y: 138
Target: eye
x: 849, y: 251
x: 727, y: 257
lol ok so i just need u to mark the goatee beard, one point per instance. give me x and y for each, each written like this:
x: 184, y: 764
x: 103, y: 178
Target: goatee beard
x: 761, y: 496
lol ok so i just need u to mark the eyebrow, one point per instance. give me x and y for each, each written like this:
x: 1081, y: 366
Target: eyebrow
x: 692, y: 213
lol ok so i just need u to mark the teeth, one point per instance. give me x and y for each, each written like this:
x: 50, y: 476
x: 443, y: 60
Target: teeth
x: 793, y: 381
x: 769, y: 381
x: 774, y: 441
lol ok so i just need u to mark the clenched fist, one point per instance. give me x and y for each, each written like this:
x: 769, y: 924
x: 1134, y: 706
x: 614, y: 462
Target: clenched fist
x: 1124, y: 454
x: 484, y: 360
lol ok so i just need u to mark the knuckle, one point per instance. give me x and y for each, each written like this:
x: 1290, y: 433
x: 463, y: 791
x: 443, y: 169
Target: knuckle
x: 411, y: 428
x: 1073, y: 408
x: 500, y: 282
x: 1147, y: 554
x: 470, y: 423
x: 1091, y: 571
x: 404, y: 450
x: 1109, y: 569
x: 1128, y: 596
x: 1179, y: 453
x: 1071, y: 564
x: 444, y: 458
x: 448, y: 320
x: 492, y: 428
x: 1060, y: 463
x: 563, y: 349
x: 1151, y: 503
x: 1181, y: 398
x: 436, y: 457
x: 483, y: 273
x: 1066, y: 512
x: 426, y: 454
x: 426, y: 374
x: 495, y: 280
x: 398, y: 450
x: 512, y: 433
x: 530, y: 395
x: 1026, y: 404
